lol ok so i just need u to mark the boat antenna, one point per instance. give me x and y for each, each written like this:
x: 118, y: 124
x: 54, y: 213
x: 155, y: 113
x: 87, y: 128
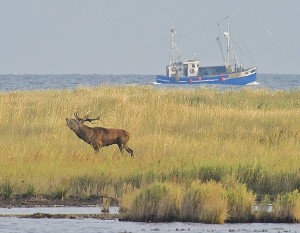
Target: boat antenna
x: 176, y: 56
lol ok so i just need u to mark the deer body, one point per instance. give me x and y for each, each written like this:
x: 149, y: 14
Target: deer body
x: 99, y: 137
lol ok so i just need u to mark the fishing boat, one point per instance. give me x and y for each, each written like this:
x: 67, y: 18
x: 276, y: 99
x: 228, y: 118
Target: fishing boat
x: 181, y: 71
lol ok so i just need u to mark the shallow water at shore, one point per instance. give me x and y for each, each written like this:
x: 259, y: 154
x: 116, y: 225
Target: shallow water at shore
x: 13, y: 224
x: 12, y: 220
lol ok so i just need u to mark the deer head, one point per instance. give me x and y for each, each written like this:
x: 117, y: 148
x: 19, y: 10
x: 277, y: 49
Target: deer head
x: 74, y: 124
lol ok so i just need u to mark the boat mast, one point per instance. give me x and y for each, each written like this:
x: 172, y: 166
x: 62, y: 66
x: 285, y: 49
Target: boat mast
x: 231, y: 63
x: 227, y: 34
x: 176, y: 56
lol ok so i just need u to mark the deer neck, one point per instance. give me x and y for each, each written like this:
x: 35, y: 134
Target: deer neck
x: 84, y: 132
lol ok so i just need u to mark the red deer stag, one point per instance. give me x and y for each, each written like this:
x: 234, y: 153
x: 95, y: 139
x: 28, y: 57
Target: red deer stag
x: 99, y: 137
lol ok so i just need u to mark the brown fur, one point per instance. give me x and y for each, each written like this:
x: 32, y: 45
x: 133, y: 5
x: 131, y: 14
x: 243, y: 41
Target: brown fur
x: 99, y: 137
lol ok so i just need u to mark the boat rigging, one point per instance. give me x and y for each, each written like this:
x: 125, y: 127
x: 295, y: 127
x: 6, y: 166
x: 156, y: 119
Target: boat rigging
x: 181, y: 71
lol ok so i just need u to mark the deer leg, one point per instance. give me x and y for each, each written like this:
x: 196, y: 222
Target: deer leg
x: 129, y: 150
x: 96, y: 150
x: 121, y: 148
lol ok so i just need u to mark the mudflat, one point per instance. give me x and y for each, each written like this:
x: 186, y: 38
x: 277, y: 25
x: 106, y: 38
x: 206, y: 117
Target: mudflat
x: 48, y: 201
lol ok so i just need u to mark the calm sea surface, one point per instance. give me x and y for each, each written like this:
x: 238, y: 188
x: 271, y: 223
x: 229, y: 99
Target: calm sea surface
x: 71, y: 81
x: 10, y: 83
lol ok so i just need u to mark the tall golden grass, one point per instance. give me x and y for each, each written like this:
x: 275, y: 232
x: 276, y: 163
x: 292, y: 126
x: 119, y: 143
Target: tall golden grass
x: 178, y: 135
x: 157, y: 202
x: 206, y: 202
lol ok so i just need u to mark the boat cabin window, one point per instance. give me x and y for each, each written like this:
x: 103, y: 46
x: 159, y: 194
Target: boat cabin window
x: 212, y: 70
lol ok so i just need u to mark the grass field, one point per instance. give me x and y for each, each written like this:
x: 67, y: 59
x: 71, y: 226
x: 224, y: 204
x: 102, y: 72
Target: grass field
x: 179, y: 136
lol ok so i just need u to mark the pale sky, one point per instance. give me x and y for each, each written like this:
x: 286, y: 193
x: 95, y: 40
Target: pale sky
x: 133, y: 36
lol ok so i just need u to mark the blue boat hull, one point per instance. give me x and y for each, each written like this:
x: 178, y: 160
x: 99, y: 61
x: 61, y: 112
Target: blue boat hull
x: 242, y: 79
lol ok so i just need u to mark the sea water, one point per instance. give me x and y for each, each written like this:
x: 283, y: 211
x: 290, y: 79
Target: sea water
x: 12, y: 224
x: 72, y: 81
x: 18, y: 224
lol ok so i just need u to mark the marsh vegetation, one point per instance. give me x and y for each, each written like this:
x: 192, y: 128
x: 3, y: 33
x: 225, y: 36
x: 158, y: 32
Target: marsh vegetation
x: 192, y: 147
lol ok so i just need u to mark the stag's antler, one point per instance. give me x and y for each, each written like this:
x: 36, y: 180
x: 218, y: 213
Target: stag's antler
x: 86, y: 118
